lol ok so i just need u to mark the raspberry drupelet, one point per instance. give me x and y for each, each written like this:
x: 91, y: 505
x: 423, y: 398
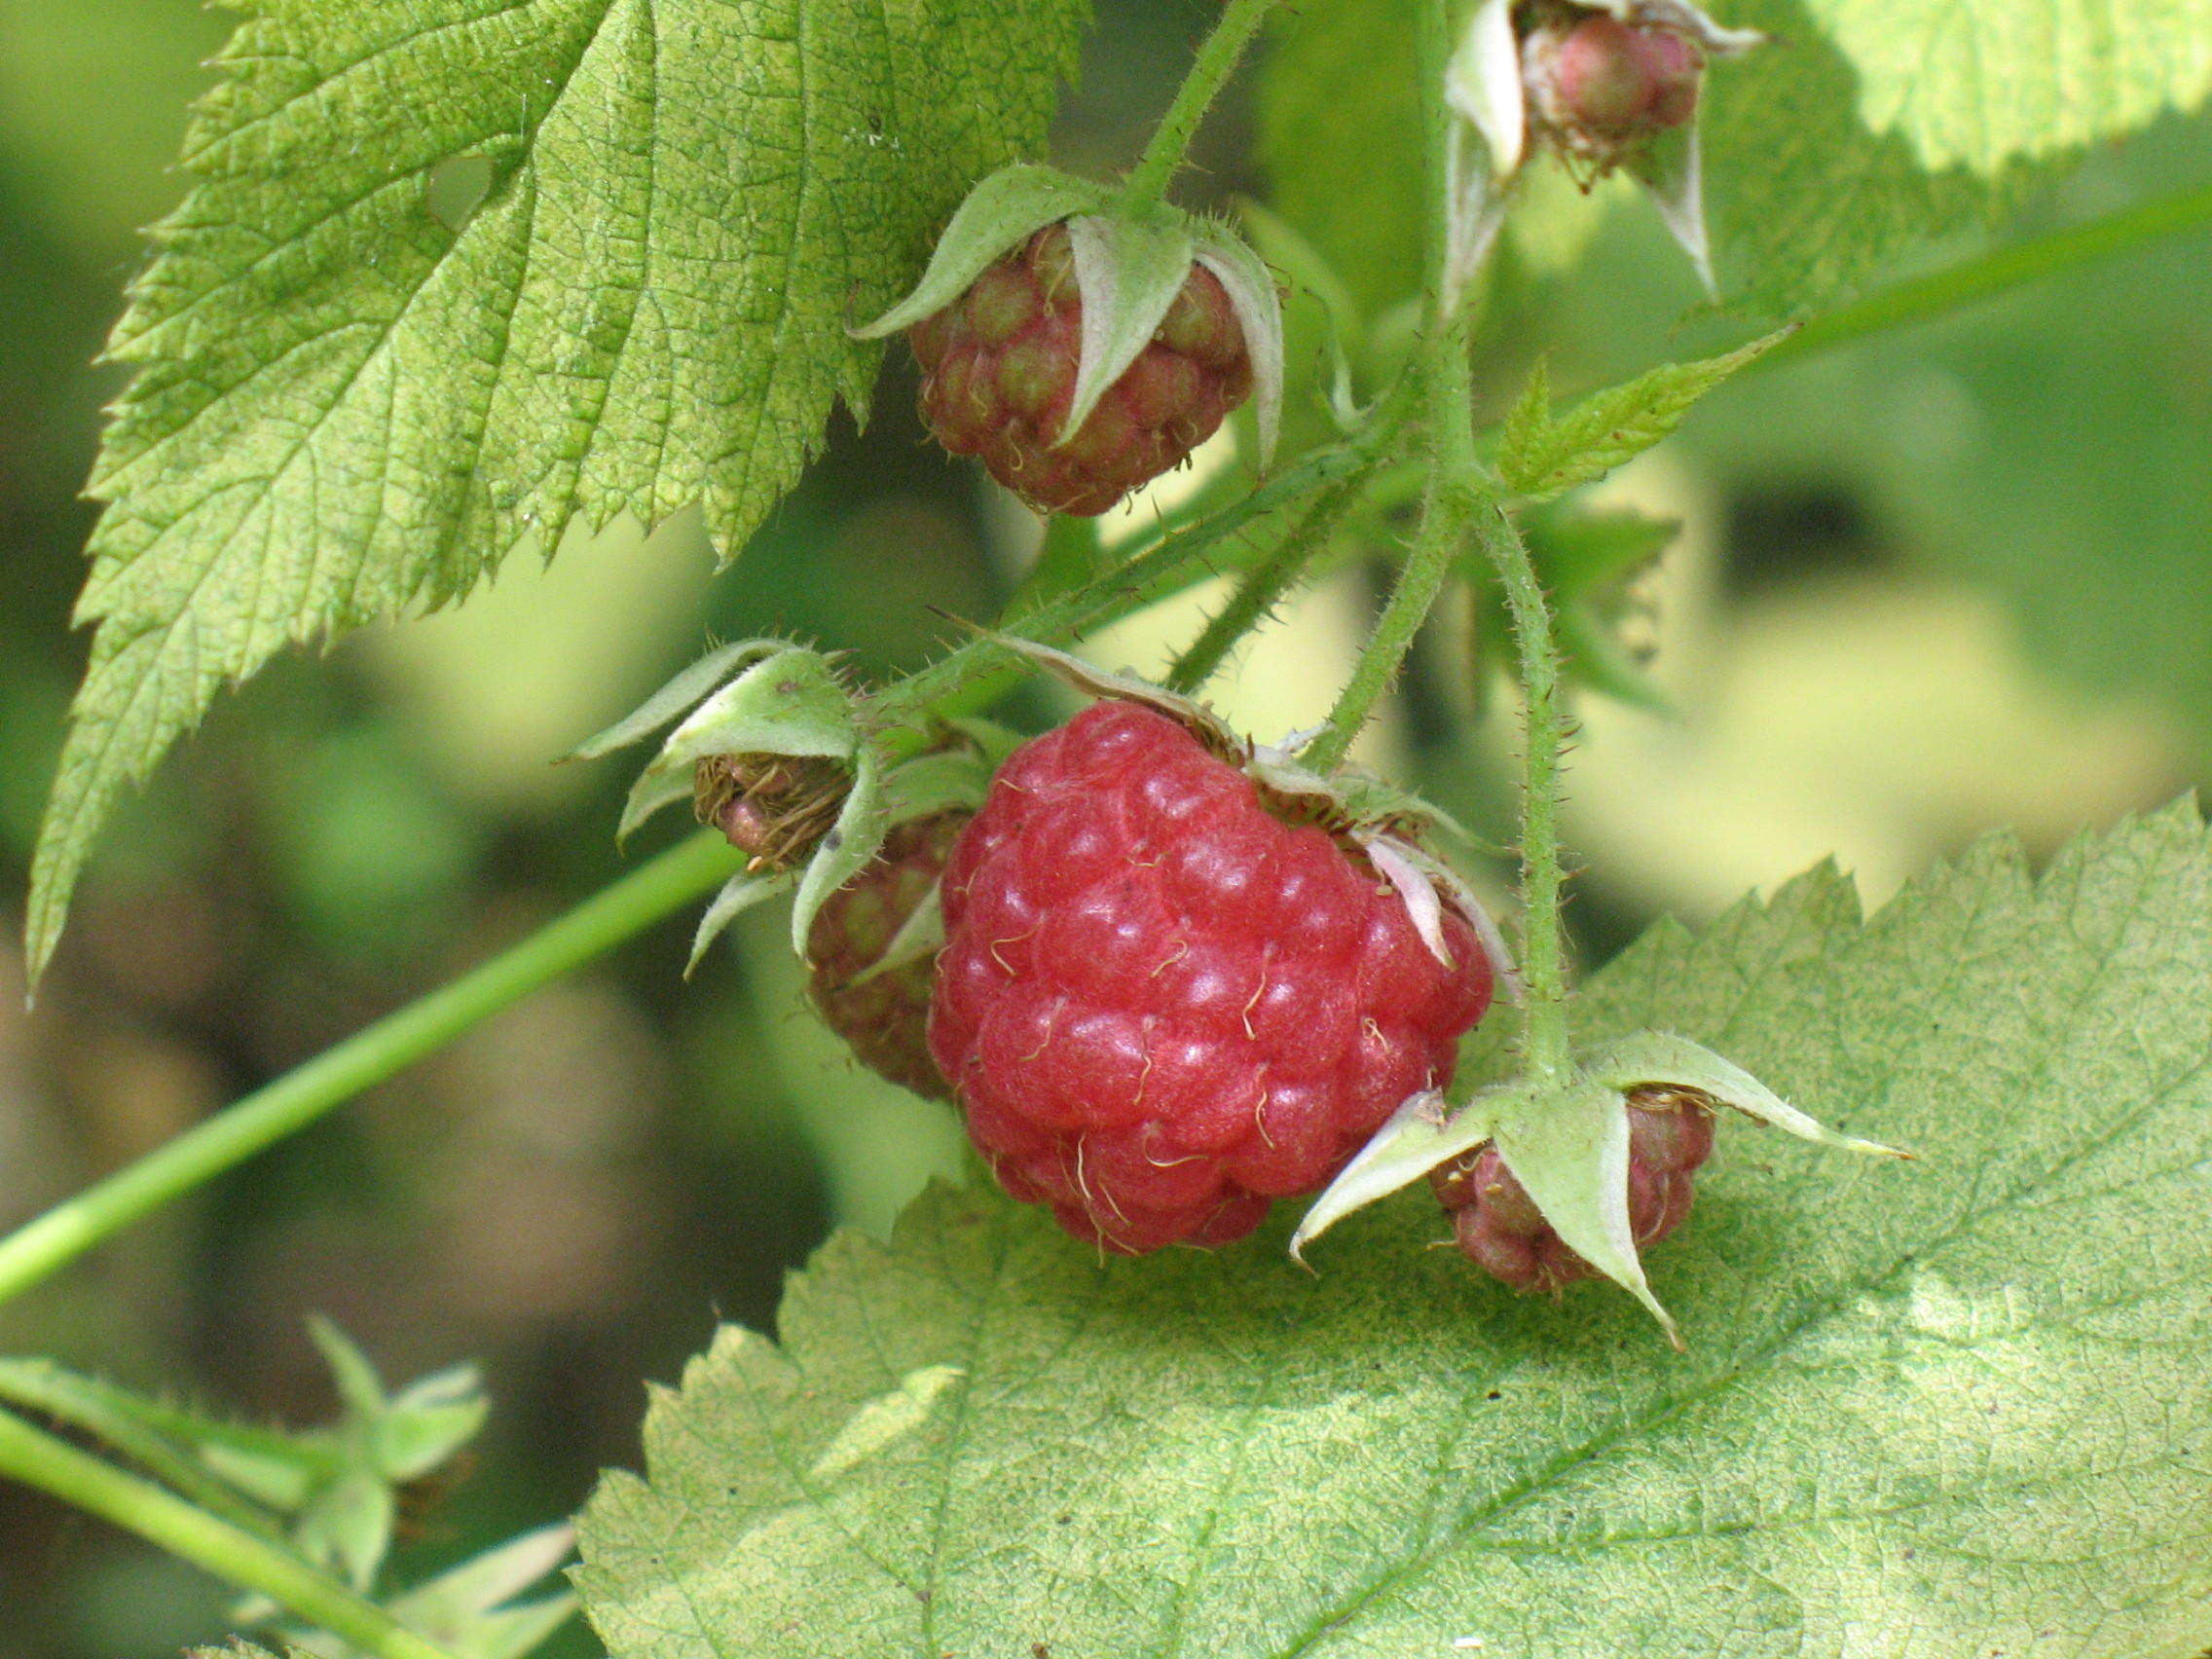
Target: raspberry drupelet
x: 999, y: 373
x: 885, y: 1016
x: 1160, y: 1006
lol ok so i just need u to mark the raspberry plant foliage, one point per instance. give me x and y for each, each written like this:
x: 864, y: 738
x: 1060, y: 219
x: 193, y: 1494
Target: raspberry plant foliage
x: 345, y: 410
x: 1952, y: 1408
x: 1939, y: 1404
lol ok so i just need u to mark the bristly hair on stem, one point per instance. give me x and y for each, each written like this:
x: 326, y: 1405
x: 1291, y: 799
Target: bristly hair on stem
x: 1170, y: 143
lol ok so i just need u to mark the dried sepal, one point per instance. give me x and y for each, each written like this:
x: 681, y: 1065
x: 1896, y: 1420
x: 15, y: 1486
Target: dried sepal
x: 772, y: 807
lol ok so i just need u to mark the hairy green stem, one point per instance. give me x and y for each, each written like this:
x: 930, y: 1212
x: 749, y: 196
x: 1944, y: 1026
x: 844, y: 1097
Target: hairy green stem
x: 1543, y: 967
x: 1448, y: 386
x: 1435, y: 549
x: 1263, y: 588
x: 1217, y: 61
x: 52, y: 1464
x: 977, y: 672
x: 100, y: 1410
x: 367, y: 1057
x: 1925, y: 297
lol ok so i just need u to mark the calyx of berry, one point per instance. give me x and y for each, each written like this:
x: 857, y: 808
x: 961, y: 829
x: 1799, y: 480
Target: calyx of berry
x: 1604, y: 85
x: 1387, y: 825
x: 1567, y: 1142
x: 772, y: 750
x: 1129, y: 265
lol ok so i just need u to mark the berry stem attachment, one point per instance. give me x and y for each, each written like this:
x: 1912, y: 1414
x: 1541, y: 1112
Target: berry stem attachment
x: 1216, y: 61
x: 231, y: 1553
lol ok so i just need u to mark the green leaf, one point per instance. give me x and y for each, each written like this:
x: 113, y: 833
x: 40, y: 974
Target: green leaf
x: 345, y: 408
x: 1540, y: 455
x: 1947, y: 1408
x: 1981, y: 83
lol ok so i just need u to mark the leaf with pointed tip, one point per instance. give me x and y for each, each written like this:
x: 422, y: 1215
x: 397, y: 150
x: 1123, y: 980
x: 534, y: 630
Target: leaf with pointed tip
x: 1953, y: 1404
x: 1540, y: 455
x: 347, y: 409
x: 998, y: 215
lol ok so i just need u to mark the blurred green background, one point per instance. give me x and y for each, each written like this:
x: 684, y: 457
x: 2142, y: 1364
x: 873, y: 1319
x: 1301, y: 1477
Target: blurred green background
x: 1957, y: 578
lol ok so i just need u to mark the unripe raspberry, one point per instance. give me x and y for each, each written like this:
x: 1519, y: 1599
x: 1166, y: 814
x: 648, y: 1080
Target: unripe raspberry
x: 999, y: 372
x: 1161, y: 1006
x: 1601, y: 89
x: 1501, y: 1231
x: 886, y: 1018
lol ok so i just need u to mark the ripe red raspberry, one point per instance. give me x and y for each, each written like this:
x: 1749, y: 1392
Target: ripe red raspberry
x: 1161, y: 1006
x: 885, y: 1019
x: 1501, y: 1230
x: 999, y: 367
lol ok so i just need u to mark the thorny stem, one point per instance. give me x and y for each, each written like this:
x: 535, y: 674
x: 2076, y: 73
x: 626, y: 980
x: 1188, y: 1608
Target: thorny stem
x: 1216, y: 61
x: 1448, y: 384
x: 106, y: 1412
x: 1263, y: 588
x: 1303, y: 540
x: 231, y: 1553
x: 1543, y: 967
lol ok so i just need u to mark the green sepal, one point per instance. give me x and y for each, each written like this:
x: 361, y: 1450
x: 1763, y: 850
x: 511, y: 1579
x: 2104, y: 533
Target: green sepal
x: 469, y: 1612
x: 1128, y: 273
x: 738, y: 895
x: 677, y: 696
x: 1246, y: 278
x: 1568, y: 1145
x: 938, y: 782
x: 428, y: 1421
x: 1000, y: 213
x: 849, y: 848
x: 788, y: 703
x: 1659, y: 1057
x: 1420, y: 1134
x: 920, y: 935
